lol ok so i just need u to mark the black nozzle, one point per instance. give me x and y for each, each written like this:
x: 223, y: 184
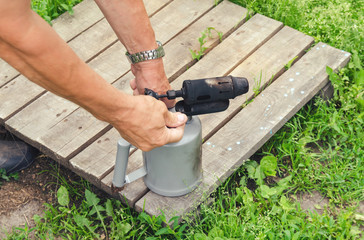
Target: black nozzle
x: 207, y: 95
x: 241, y: 85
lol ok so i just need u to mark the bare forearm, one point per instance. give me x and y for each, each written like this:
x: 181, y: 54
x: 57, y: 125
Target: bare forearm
x: 32, y: 47
x: 130, y: 21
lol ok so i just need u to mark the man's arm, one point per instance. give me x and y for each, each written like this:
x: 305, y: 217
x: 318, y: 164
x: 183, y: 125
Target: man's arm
x: 31, y: 46
x: 130, y: 22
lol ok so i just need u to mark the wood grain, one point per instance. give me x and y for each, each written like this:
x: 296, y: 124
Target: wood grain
x: 89, y: 43
x: 257, y: 49
x: 7, y: 73
x: 67, y: 26
x: 32, y: 126
x: 284, y: 45
x: 230, y: 53
x: 179, y: 56
x: 254, y: 125
x: 261, y: 68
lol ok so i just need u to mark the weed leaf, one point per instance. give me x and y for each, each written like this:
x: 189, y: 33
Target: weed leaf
x: 62, y: 196
x: 250, y: 167
x: 215, y: 232
x: 290, y: 62
x: 124, y: 228
x: 259, y: 176
x: 163, y: 231
x: 91, y: 198
x: 109, y: 208
x: 285, y: 204
x: 267, y: 192
x: 359, y: 77
x: 285, y: 181
x: 268, y: 165
x: 200, y: 236
x: 81, y: 220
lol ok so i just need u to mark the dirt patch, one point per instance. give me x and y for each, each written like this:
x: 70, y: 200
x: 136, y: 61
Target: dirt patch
x: 23, y: 198
x: 18, y: 217
x: 313, y: 202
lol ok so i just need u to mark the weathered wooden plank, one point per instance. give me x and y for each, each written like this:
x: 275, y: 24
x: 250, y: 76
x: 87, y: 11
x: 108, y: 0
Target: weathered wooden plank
x: 284, y: 45
x: 12, y: 94
x: 67, y: 26
x: 177, y: 57
x: 85, y: 15
x: 237, y: 47
x: 253, y: 126
x: 7, y: 72
x: 75, y: 127
x: 88, y: 44
x: 102, y: 34
x: 260, y: 68
x: 34, y: 90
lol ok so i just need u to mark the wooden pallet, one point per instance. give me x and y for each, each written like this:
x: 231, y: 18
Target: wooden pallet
x: 255, y: 47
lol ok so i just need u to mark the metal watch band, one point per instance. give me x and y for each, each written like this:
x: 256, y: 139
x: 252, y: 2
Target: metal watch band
x: 146, y: 55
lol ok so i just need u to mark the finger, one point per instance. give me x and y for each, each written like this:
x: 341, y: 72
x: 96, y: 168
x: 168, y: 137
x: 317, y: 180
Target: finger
x: 133, y: 84
x: 174, y: 120
x: 169, y: 103
x: 135, y: 92
x: 175, y: 134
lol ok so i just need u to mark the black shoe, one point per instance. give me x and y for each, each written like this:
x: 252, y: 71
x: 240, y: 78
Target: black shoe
x: 16, y: 155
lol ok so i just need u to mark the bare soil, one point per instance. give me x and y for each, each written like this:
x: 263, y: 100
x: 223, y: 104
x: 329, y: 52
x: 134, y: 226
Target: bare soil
x: 25, y: 197
x: 21, y: 199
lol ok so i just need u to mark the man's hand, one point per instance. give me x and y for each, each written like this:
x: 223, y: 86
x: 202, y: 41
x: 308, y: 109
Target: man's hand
x: 148, y: 124
x: 150, y: 74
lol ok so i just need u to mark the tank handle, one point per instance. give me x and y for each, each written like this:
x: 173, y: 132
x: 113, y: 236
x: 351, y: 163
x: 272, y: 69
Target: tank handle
x: 122, y: 157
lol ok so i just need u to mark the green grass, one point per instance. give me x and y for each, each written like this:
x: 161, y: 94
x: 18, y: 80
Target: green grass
x: 51, y: 9
x: 4, y: 176
x: 320, y: 149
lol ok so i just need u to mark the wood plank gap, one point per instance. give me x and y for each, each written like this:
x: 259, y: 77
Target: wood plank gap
x: 86, y: 13
x: 251, y: 98
x: 2, y: 85
x: 151, y: 15
x: 101, y: 51
x: 229, y: 52
x: 183, y: 29
x: 236, y: 142
x: 125, y: 84
x: 84, y: 30
x: 91, y: 140
x: 276, y: 53
x: 159, y: 9
x: 22, y: 107
x: 32, y: 90
x: 176, y: 47
x: 254, y: 49
x: 213, y: 45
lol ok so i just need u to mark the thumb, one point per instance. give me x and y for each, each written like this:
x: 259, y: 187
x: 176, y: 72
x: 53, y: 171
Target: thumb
x: 174, y: 120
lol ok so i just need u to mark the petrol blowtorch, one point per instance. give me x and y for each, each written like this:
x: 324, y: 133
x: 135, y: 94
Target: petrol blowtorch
x: 175, y: 168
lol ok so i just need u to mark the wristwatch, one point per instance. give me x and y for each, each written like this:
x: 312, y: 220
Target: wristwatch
x: 146, y: 55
